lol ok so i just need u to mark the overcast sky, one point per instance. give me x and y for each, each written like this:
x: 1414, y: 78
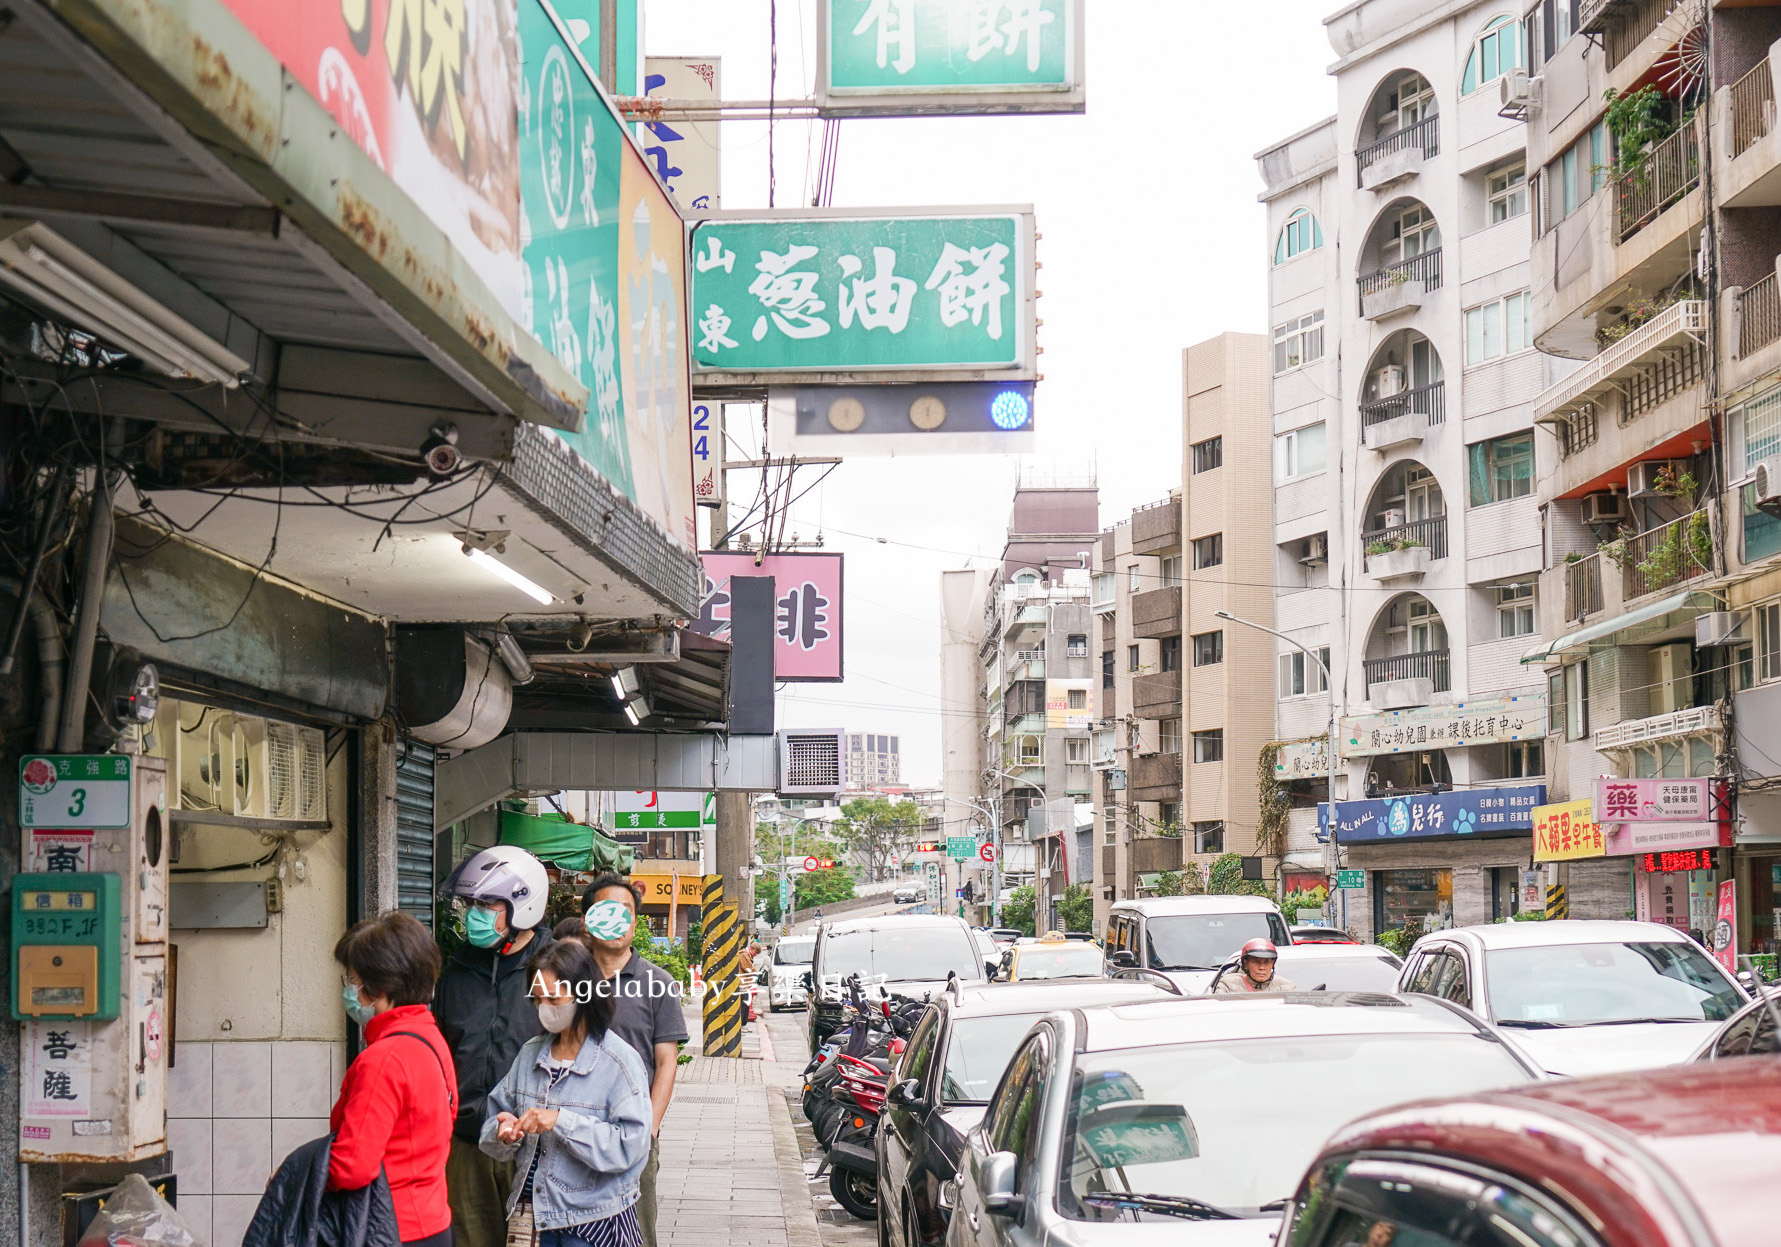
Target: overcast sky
x: 1151, y: 239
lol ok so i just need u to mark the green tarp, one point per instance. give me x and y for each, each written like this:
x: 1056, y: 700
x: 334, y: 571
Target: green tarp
x: 555, y: 840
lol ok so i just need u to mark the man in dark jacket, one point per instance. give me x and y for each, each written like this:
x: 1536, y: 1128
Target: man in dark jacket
x: 483, y: 1011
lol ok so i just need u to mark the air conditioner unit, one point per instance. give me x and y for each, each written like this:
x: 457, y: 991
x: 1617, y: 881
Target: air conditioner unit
x: 296, y: 780
x: 1641, y: 477
x: 810, y: 761
x: 1765, y: 480
x: 1388, y: 380
x: 1513, y: 90
x: 1394, y: 517
x: 1317, y: 550
x: 1604, y: 508
x: 1717, y: 628
x: 1672, y: 677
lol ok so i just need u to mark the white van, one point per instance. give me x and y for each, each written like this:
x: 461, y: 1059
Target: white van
x: 1187, y: 938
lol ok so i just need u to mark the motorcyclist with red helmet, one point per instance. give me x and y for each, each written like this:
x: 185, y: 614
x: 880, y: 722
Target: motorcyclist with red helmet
x: 1255, y: 966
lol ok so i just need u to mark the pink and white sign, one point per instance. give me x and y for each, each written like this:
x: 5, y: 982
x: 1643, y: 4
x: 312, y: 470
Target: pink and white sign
x: 1629, y: 838
x: 1654, y: 800
x: 807, y: 616
x: 1725, y: 942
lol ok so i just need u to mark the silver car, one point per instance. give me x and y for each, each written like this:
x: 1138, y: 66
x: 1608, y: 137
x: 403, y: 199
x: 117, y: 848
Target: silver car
x: 1191, y: 1121
x: 782, y: 978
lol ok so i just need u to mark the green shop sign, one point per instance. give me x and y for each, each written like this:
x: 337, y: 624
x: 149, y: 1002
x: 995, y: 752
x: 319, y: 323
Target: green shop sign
x: 891, y: 57
x: 822, y: 296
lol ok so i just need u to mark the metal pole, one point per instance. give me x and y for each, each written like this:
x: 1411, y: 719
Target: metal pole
x: 101, y: 531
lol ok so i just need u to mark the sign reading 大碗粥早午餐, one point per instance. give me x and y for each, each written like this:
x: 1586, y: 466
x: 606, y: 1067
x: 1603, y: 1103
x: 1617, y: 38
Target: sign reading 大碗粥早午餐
x: 889, y: 58
x: 838, y: 297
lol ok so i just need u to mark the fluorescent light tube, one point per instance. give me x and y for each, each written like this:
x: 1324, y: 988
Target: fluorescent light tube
x: 490, y: 563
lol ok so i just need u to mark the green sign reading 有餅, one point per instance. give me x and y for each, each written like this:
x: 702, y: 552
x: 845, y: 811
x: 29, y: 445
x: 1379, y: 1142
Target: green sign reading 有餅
x: 884, y: 57
x: 827, y: 296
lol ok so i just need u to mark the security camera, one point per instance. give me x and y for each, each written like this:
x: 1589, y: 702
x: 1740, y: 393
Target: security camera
x: 440, y: 451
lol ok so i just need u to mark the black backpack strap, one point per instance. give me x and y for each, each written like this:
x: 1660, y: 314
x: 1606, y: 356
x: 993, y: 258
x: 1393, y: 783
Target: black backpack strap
x: 451, y: 1092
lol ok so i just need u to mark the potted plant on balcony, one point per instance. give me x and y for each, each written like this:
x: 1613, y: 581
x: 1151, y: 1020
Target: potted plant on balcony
x: 1402, y: 554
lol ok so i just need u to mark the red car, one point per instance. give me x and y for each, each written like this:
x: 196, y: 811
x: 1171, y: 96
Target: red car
x: 1681, y: 1157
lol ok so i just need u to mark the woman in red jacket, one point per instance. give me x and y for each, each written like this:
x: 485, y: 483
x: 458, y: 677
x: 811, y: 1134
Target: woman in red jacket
x: 396, y: 1105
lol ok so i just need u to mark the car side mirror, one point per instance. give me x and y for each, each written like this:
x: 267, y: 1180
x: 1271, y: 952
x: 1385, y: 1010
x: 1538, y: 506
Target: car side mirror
x: 996, y: 1180
x: 1122, y: 959
x: 804, y: 981
x: 1746, y: 978
x: 991, y: 965
x: 907, y: 1094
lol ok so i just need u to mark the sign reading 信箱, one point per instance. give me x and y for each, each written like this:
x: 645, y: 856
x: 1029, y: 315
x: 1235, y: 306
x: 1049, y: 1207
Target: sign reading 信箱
x: 961, y: 848
x: 1435, y: 815
x: 1351, y: 880
x: 905, y: 57
x: 1656, y: 800
x: 89, y: 791
x: 1566, y: 831
x: 833, y: 297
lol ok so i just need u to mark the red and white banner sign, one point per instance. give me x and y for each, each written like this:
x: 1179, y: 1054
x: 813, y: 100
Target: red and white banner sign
x: 1628, y: 838
x: 1656, y: 800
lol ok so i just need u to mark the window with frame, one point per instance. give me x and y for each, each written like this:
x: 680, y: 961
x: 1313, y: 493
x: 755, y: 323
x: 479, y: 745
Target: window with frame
x: 1762, y: 428
x: 1501, y: 469
x: 1576, y: 700
x: 1103, y: 587
x: 1515, y: 610
x: 1208, y: 648
x: 1077, y: 698
x: 1169, y: 572
x: 1209, y: 837
x: 1076, y: 749
x: 1300, y: 234
x: 1297, y: 343
x: 1076, y: 645
x: 1131, y: 656
x: 1550, y: 24
x: 1506, y: 193
x: 1573, y: 178
x: 1169, y: 649
x: 1525, y: 759
x: 1208, y: 454
x: 1209, y: 745
x: 1168, y: 813
x: 1500, y: 327
x: 1168, y: 735
x: 1414, y: 233
x: 1299, y: 676
x: 1495, y: 52
x: 1106, y: 668
x: 1299, y: 452
x: 1134, y: 579
x: 1768, y: 642
x: 1029, y: 750
x: 1208, y: 550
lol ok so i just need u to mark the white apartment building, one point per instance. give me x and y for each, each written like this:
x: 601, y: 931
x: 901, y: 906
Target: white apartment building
x: 874, y: 760
x: 1406, y: 527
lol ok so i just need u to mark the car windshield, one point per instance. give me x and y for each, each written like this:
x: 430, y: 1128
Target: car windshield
x: 901, y: 955
x: 1235, y: 1124
x: 1594, y: 984
x: 978, y: 1052
x: 794, y: 952
x: 1359, y: 973
x: 1059, y: 961
x: 1207, y: 941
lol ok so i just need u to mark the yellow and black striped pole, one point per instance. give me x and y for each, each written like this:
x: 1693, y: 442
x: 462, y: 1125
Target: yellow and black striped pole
x: 1558, y: 905
x: 724, y: 999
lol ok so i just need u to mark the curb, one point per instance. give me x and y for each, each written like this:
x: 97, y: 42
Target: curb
x: 801, y: 1229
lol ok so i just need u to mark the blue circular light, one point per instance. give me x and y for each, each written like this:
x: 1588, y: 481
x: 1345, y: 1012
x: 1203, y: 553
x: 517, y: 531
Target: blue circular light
x: 1009, y: 410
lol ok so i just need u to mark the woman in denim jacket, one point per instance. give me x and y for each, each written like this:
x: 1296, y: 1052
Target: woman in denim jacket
x: 575, y: 1109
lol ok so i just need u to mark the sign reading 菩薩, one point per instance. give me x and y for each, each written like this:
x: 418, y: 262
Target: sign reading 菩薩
x: 1480, y: 721
x: 1657, y: 800
x: 1435, y: 815
x: 836, y: 297
x: 807, y: 637
x: 1566, y: 831
x: 905, y: 57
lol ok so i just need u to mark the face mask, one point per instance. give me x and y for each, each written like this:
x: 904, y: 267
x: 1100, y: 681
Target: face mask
x: 356, y: 1009
x: 608, y: 920
x: 479, y: 928
x: 557, y: 1016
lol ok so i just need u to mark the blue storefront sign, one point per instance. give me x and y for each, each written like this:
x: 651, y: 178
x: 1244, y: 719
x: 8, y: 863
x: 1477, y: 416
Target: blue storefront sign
x: 1434, y: 815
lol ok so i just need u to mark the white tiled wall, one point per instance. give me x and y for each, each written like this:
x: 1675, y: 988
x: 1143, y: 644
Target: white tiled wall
x: 234, y: 1112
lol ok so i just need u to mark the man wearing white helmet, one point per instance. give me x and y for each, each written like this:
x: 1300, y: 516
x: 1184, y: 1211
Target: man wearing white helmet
x: 485, y: 1014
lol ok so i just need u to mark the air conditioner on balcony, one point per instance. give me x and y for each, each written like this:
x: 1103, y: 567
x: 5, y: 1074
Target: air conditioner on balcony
x: 1317, y: 550
x: 1388, y: 381
x: 1604, y: 508
x: 1641, y: 478
x: 1672, y: 677
x: 1717, y: 628
x: 1765, y: 480
x: 1394, y: 517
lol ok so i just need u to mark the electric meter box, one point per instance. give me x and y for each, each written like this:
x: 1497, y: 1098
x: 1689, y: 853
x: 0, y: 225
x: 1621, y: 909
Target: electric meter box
x: 67, y: 930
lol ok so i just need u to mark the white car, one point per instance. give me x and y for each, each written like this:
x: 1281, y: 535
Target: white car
x: 1580, y: 996
x: 1331, y: 968
x: 909, y: 893
x: 1187, y: 939
x: 782, y: 978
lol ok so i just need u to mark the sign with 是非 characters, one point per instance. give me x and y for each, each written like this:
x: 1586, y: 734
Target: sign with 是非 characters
x: 1480, y: 721
x: 807, y: 636
x: 1566, y: 831
x: 834, y: 297
x: 1657, y: 800
x: 1435, y: 815
x: 888, y: 58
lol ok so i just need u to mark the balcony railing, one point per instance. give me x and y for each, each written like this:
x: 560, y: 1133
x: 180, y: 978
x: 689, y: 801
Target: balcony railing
x: 1583, y: 587
x: 1424, y: 135
x: 1425, y: 268
x: 1602, y: 374
x: 1753, y: 107
x: 1670, y: 554
x: 1759, y: 316
x: 1151, y: 854
x: 1428, y: 664
x: 1684, y: 722
x: 1666, y: 173
x: 1428, y: 400
x: 1431, y: 533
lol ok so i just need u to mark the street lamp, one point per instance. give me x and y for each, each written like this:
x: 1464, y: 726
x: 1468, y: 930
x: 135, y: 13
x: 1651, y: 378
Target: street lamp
x: 1331, y: 850
x: 788, y: 919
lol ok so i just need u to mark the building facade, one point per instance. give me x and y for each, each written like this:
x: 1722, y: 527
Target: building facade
x: 873, y: 761
x: 1407, y: 531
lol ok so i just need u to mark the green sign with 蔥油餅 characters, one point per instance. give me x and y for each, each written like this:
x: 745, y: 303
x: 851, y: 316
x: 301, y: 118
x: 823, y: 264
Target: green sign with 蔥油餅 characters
x: 885, y: 56
x: 829, y: 297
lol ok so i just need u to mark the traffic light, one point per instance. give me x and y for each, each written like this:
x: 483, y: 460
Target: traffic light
x: 957, y: 417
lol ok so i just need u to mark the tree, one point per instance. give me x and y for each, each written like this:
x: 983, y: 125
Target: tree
x: 1076, y: 908
x: 774, y: 845
x: 874, y: 829
x: 1226, y: 879
x: 1017, y: 910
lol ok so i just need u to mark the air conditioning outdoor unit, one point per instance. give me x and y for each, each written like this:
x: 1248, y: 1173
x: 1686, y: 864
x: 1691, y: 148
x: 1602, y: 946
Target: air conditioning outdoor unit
x: 1766, y: 482
x: 1394, y: 517
x: 1717, y: 628
x: 1517, y: 94
x: 1604, y: 508
x: 1317, y: 550
x: 1388, y: 381
x: 1672, y: 676
x: 810, y: 761
x: 1641, y: 477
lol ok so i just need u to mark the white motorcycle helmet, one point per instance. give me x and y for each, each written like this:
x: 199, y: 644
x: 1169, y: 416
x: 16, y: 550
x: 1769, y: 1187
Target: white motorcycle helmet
x: 504, y: 873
